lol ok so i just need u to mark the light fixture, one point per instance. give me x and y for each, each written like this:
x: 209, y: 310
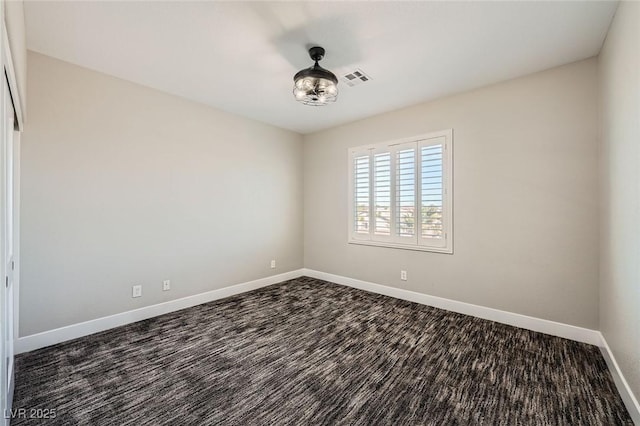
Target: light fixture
x: 316, y: 85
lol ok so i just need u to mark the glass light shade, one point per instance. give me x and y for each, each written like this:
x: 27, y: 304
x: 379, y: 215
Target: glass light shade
x: 315, y: 86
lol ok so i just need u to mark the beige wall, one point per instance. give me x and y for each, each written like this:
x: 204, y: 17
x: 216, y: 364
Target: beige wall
x: 620, y: 191
x: 126, y: 185
x: 525, y: 198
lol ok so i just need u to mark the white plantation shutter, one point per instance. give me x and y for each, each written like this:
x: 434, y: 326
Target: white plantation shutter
x: 406, y: 192
x: 362, y: 195
x: 382, y: 194
x: 401, y: 193
x: 432, y: 230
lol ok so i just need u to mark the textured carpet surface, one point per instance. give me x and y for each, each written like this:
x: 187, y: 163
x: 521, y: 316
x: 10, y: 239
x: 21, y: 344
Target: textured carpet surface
x: 310, y: 352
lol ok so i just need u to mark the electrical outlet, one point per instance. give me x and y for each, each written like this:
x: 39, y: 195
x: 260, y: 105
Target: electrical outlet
x: 403, y: 275
x: 137, y: 291
x: 273, y: 264
x: 166, y: 285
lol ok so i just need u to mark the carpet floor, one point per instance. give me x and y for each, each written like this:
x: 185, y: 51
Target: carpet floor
x: 311, y: 352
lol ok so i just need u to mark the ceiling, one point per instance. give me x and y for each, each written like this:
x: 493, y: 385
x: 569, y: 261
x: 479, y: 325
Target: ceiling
x: 241, y: 56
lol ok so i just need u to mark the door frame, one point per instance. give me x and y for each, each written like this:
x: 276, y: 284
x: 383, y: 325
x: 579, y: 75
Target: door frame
x: 10, y: 72
x: 10, y: 76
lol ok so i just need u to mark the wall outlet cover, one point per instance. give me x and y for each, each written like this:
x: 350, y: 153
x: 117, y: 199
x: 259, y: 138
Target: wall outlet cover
x: 136, y: 291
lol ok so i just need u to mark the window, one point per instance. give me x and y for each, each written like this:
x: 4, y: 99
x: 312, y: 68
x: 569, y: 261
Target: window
x: 400, y: 193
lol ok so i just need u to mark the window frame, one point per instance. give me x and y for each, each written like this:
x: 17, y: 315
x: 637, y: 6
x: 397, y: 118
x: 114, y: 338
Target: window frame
x: 418, y: 243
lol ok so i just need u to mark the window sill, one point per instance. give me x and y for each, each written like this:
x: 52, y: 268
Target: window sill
x: 442, y: 250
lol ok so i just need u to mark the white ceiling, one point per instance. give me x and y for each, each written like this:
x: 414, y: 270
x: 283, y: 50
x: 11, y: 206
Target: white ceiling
x: 241, y: 56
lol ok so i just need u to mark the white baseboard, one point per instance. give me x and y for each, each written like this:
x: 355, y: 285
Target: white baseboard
x: 624, y: 390
x: 62, y: 334
x: 553, y: 328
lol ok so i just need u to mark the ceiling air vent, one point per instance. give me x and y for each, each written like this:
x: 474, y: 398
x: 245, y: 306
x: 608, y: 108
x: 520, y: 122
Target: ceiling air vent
x: 356, y: 77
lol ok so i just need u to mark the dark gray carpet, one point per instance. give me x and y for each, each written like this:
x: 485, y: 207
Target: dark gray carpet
x: 310, y: 352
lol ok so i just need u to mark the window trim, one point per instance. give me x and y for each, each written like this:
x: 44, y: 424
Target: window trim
x: 447, y: 202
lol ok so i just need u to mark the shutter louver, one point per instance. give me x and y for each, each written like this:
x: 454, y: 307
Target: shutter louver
x: 406, y: 192
x: 362, y: 204
x: 382, y: 193
x: 431, y: 196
